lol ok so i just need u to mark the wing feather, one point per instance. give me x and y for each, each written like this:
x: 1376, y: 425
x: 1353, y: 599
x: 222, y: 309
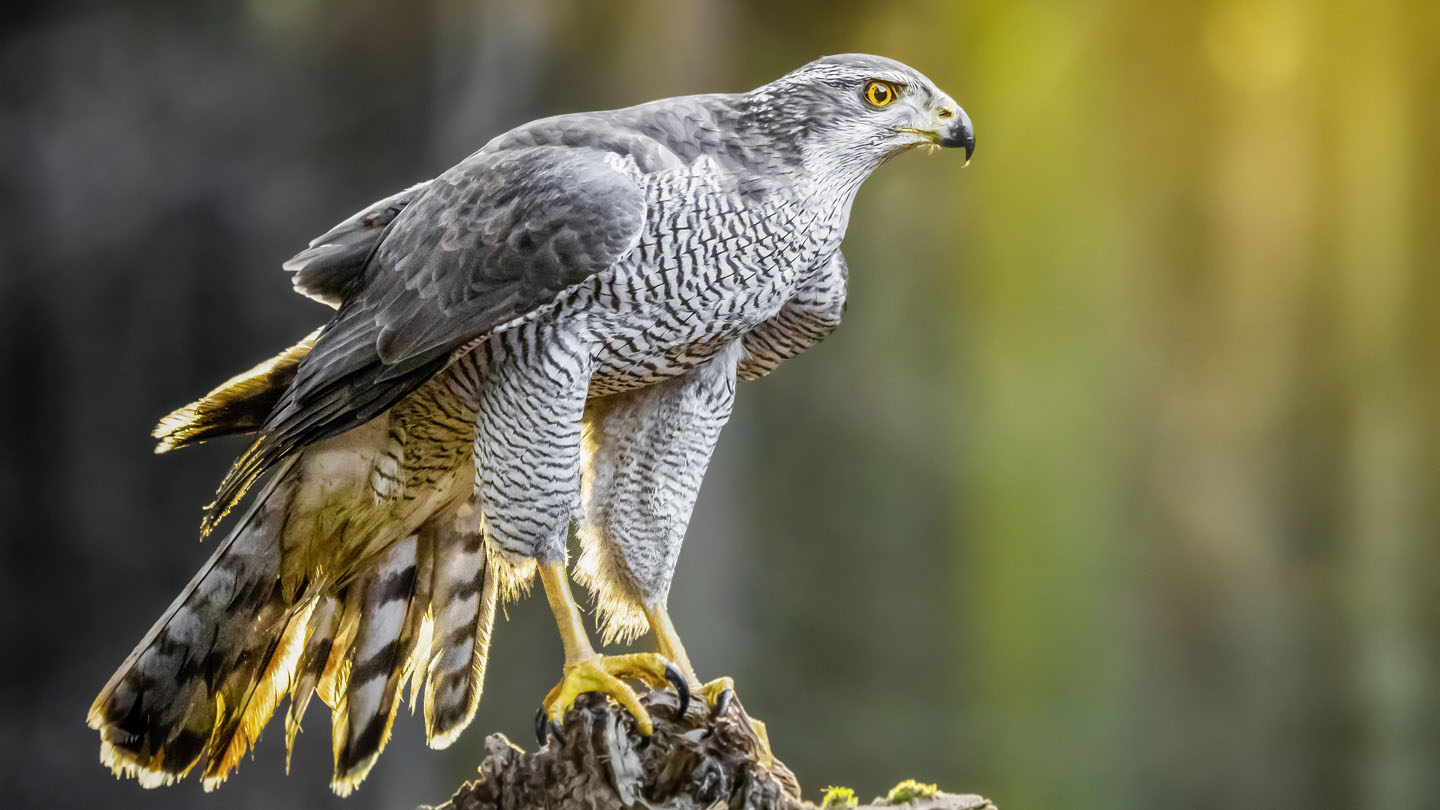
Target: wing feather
x: 496, y: 238
x: 333, y: 264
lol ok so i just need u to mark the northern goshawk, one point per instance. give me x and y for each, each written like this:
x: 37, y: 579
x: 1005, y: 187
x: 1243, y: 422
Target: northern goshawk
x: 548, y: 333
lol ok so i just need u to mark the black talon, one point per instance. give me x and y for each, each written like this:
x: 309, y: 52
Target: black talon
x: 722, y: 704
x: 682, y: 687
x: 544, y: 727
x: 644, y: 742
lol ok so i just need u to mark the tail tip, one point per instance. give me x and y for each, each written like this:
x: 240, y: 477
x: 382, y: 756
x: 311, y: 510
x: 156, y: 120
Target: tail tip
x: 125, y: 765
x: 348, y: 776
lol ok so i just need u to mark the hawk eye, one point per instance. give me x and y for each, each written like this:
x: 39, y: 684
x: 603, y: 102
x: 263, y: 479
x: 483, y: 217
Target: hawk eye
x: 880, y: 94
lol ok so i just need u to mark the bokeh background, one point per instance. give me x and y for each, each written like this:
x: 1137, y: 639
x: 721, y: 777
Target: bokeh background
x: 1118, y: 488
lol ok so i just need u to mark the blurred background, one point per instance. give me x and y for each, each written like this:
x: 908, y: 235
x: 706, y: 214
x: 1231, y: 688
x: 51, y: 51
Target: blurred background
x: 1118, y: 488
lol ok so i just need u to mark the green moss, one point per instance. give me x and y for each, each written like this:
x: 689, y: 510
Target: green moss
x: 910, y: 790
x: 837, y: 798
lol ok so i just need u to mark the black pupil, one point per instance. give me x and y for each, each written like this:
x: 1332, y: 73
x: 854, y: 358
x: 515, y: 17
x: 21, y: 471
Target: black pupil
x: 881, y: 93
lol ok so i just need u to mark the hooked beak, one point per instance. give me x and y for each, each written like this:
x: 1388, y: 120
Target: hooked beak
x: 956, y: 131
x: 950, y: 127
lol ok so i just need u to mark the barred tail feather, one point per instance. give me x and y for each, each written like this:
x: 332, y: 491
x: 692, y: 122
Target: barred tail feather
x: 206, y: 680
x: 247, y: 700
x: 335, y: 675
x: 319, y: 640
x: 464, y: 604
x: 396, y: 601
x: 160, y: 712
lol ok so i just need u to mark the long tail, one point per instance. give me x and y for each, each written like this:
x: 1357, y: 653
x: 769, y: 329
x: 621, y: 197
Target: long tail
x: 214, y: 660
x: 205, y: 681
x: 422, y: 616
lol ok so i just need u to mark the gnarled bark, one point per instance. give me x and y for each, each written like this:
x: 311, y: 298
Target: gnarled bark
x: 691, y: 763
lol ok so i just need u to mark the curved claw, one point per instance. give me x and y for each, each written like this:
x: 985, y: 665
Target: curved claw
x: 722, y: 704
x: 717, y: 694
x: 544, y: 727
x: 682, y: 688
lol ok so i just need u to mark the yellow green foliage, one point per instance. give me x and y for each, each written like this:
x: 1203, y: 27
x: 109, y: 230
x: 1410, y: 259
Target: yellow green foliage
x: 910, y: 790
x: 838, y: 798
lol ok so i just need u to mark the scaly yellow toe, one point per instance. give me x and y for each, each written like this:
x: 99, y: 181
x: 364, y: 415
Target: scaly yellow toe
x: 648, y: 668
x: 605, y: 674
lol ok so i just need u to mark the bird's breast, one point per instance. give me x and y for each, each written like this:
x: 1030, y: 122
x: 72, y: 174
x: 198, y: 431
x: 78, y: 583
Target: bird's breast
x: 710, y: 264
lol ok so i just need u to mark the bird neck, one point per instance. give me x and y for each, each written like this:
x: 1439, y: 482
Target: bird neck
x: 789, y: 144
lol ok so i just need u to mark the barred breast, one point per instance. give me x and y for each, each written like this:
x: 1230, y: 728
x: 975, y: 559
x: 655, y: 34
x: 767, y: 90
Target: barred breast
x: 710, y: 264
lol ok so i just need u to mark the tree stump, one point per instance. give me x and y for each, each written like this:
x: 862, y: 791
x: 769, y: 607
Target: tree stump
x: 692, y: 762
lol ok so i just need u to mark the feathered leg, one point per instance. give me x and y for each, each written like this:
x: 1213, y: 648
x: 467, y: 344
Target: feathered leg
x: 645, y: 454
x: 530, y: 419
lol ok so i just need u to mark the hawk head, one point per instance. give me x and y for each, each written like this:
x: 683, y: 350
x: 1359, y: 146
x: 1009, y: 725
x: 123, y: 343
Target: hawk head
x: 858, y: 109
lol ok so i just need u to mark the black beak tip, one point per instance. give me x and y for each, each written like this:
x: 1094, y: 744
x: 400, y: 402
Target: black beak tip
x: 960, y: 133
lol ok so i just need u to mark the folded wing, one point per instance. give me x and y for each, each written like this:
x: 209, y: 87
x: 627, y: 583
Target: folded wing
x: 496, y: 238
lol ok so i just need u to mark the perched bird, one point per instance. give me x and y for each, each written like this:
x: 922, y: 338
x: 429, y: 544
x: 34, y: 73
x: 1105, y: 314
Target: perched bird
x: 548, y: 333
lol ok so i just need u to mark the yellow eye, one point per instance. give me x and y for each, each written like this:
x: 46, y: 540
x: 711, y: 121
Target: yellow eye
x: 880, y: 94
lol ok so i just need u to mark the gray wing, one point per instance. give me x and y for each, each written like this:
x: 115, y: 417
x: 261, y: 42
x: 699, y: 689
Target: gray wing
x: 329, y: 269
x: 495, y: 238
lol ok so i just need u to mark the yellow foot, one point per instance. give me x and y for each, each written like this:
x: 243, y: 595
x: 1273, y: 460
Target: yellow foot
x: 715, y: 694
x: 607, y: 674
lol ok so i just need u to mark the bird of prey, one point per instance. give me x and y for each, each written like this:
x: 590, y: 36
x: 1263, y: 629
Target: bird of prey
x: 547, y: 334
